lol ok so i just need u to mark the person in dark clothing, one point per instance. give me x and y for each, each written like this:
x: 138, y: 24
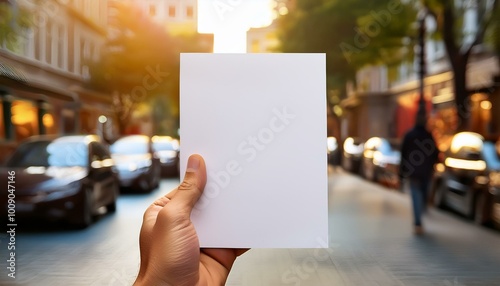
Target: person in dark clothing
x: 419, y: 153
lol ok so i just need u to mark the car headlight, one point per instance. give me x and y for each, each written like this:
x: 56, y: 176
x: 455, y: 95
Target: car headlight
x: 378, y: 159
x: 474, y: 165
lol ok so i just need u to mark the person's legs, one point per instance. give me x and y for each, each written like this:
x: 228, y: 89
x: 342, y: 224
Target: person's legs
x: 417, y: 197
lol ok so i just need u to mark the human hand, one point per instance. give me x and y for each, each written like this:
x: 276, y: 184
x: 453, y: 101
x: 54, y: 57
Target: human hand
x: 170, y: 250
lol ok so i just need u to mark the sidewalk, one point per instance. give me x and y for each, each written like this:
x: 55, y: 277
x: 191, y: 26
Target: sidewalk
x: 371, y: 243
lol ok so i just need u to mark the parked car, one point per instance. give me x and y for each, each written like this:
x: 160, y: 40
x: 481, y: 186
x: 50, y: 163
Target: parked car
x: 332, y: 151
x: 380, y: 161
x: 352, y: 155
x: 66, y: 178
x: 167, y: 150
x: 468, y: 180
x: 138, y: 165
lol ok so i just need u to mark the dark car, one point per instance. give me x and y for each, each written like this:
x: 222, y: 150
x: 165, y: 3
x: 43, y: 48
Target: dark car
x: 352, y: 154
x: 167, y: 150
x: 138, y: 165
x: 468, y: 181
x: 380, y: 161
x: 67, y: 178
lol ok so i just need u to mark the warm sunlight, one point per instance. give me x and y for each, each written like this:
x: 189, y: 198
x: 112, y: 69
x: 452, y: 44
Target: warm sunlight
x: 229, y: 20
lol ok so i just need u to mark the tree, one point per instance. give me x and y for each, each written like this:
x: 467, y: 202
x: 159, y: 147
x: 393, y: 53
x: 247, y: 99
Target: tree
x: 12, y: 19
x: 140, y: 65
x: 137, y: 65
x: 351, y: 33
x: 459, y: 43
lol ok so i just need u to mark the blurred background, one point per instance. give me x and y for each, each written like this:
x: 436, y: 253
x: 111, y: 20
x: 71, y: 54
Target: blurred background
x: 89, y: 116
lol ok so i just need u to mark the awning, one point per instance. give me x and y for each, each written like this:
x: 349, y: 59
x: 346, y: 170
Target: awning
x: 12, y: 73
x: 13, y: 78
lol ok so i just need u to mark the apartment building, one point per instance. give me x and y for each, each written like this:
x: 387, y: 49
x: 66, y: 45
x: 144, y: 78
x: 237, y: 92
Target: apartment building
x: 43, y: 71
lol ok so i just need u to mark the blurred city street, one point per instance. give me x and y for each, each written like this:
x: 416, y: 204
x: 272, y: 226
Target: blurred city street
x: 90, y: 136
x: 371, y: 243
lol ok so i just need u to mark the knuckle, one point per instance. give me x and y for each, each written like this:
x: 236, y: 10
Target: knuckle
x: 187, y: 184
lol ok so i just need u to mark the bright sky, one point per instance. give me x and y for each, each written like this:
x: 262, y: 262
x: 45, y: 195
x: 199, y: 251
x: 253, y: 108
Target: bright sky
x: 229, y: 21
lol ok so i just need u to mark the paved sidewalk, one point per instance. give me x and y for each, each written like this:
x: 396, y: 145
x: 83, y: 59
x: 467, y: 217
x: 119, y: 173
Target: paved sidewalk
x: 371, y: 243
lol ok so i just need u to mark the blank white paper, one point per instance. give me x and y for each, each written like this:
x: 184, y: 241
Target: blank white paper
x: 259, y: 121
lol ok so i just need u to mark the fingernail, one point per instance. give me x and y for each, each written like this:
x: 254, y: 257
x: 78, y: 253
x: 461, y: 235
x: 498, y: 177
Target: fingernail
x: 193, y: 164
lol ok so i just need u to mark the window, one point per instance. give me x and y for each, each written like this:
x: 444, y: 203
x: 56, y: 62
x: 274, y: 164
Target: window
x: 171, y: 11
x: 86, y: 122
x: 69, y: 121
x: 37, y: 43
x: 24, y: 119
x: 48, y: 42
x: 71, y: 49
x: 152, y: 10
x: 189, y: 12
x: 255, y: 46
x: 49, y: 123
x: 60, y: 51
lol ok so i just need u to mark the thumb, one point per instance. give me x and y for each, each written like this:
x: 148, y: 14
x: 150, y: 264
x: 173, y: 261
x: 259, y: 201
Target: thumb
x: 191, y: 188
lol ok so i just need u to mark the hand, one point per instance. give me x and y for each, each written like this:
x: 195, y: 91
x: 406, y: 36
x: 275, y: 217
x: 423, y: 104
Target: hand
x: 170, y: 250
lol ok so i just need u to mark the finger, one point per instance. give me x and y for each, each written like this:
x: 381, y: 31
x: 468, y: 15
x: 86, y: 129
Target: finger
x: 224, y: 257
x: 191, y: 188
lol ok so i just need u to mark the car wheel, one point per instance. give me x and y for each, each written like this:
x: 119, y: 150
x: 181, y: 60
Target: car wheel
x: 368, y: 172
x: 86, y: 215
x: 482, y: 212
x: 439, y: 194
x: 112, y: 206
x: 157, y: 176
x: 144, y: 184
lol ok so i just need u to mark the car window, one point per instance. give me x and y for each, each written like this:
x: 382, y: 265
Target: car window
x: 385, y: 147
x: 491, y: 156
x: 131, y: 146
x: 163, y: 146
x: 47, y: 153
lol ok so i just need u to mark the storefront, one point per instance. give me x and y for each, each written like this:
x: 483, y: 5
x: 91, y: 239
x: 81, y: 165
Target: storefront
x: 29, y: 108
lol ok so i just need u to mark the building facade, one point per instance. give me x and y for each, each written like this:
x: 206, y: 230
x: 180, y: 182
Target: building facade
x: 262, y: 40
x: 44, y: 70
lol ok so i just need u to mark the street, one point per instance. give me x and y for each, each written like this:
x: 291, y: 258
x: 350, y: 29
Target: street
x: 371, y: 243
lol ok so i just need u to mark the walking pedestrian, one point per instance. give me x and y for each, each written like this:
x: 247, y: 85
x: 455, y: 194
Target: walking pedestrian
x: 419, y: 153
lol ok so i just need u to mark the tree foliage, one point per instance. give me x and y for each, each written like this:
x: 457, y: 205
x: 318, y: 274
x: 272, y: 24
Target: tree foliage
x: 140, y: 64
x: 351, y: 33
x: 12, y: 20
x: 358, y: 33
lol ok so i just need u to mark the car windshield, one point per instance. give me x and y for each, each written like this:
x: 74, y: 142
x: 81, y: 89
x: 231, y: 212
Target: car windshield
x: 130, y: 146
x: 385, y: 148
x: 163, y: 146
x: 50, y: 154
x: 491, y: 156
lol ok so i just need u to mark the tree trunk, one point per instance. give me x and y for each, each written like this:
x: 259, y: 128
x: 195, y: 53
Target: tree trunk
x: 462, y: 99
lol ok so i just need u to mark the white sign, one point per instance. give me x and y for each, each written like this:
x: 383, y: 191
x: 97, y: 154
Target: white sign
x: 259, y: 121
